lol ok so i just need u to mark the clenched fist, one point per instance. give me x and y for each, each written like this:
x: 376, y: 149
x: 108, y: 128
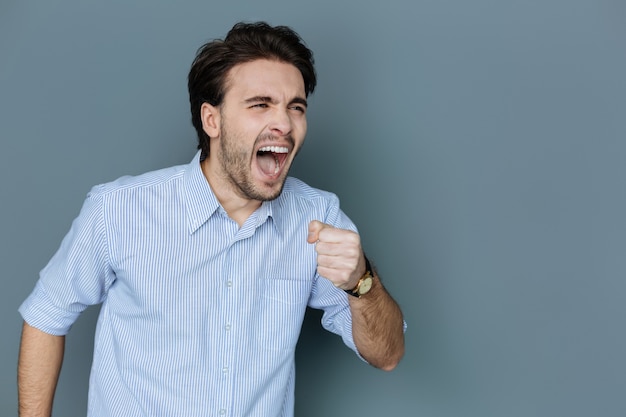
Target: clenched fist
x: 339, y: 254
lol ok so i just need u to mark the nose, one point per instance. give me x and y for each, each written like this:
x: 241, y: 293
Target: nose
x: 281, y: 123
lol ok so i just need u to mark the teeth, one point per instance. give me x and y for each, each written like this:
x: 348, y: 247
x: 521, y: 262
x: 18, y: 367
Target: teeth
x: 275, y: 149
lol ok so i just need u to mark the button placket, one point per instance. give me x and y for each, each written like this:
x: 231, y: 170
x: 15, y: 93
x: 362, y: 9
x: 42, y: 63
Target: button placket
x: 229, y: 296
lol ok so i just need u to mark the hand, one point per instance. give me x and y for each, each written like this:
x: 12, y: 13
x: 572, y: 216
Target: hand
x: 339, y: 254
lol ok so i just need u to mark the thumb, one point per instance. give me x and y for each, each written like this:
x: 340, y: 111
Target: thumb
x: 315, y: 227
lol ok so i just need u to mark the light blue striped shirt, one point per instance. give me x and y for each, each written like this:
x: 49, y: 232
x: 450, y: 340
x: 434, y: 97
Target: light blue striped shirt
x: 199, y: 317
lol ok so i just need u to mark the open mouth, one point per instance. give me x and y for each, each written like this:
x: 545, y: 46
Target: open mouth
x: 271, y: 159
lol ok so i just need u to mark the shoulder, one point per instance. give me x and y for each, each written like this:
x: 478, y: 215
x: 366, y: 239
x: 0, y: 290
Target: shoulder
x: 138, y: 184
x: 296, y: 189
x: 302, y: 203
x: 301, y: 200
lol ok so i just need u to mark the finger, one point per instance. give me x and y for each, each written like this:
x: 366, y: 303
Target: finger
x: 315, y: 227
x: 341, y: 237
x: 340, y: 277
x: 348, y: 263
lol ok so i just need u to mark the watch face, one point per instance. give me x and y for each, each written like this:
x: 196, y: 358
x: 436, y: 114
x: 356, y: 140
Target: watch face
x: 365, y: 286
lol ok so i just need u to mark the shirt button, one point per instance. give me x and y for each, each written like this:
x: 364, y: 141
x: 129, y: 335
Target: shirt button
x: 225, y: 370
x: 227, y: 327
x: 222, y: 412
x: 229, y: 284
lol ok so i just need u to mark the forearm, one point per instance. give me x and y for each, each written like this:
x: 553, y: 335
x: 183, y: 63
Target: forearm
x: 378, y: 327
x: 377, y: 324
x: 39, y: 364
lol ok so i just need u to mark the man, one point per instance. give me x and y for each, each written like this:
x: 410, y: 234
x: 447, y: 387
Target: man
x: 204, y: 271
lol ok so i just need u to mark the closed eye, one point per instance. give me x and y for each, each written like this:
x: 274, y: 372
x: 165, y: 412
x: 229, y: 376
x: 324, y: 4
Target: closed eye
x: 301, y: 109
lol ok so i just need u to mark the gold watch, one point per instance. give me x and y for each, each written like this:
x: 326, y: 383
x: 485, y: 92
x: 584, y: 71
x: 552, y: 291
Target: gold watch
x: 365, y: 283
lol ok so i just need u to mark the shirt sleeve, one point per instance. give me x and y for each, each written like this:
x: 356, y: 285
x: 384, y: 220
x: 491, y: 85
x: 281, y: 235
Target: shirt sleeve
x: 78, y: 275
x: 336, y: 316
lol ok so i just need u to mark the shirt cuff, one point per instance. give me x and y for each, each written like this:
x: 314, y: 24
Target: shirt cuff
x: 39, y: 312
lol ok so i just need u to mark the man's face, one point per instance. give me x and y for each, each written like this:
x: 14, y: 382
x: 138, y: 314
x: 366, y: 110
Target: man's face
x: 262, y: 125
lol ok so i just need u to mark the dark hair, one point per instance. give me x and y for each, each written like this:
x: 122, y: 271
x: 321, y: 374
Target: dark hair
x: 245, y: 42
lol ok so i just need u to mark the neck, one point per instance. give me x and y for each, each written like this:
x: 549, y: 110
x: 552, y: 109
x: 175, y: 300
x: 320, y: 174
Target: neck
x: 238, y: 207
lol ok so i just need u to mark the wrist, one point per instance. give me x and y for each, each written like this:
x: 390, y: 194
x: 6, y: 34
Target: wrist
x: 364, y: 284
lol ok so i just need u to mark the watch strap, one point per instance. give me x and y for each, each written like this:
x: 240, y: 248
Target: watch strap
x: 368, y: 274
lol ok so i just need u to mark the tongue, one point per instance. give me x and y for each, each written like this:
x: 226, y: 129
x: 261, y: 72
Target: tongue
x: 267, y: 163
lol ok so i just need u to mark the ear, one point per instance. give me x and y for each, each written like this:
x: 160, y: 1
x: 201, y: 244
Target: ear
x: 210, y: 116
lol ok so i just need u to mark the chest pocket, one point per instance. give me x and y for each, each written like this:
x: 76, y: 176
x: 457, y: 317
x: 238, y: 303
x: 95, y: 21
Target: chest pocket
x: 284, y: 302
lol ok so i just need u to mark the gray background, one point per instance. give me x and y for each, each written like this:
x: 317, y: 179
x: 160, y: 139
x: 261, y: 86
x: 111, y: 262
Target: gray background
x: 478, y: 145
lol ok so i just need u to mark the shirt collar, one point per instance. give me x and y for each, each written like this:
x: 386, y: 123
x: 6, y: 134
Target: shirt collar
x: 201, y: 203
x: 271, y: 211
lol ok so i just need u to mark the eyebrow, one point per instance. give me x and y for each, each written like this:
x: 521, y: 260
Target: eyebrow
x: 300, y: 100
x: 267, y: 99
